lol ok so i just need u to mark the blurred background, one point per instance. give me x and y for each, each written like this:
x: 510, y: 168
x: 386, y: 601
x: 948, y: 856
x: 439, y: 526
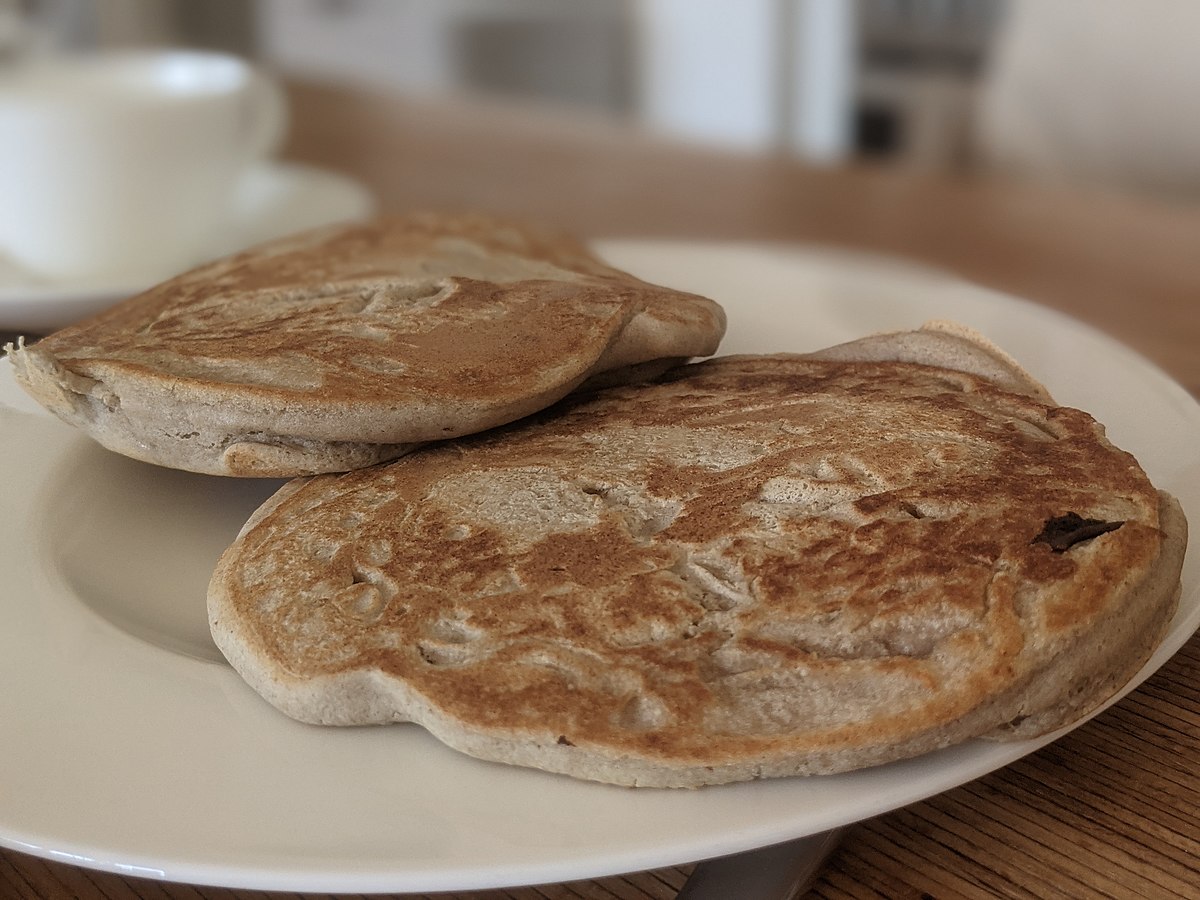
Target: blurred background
x: 1051, y: 89
x: 825, y: 80
x: 821, y: 78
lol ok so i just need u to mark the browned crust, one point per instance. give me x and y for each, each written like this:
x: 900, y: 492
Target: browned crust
x: 344, y: 346
x: 760, y: 566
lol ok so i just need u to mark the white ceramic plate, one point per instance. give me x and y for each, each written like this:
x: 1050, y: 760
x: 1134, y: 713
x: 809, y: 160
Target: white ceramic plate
x: 126, y: 745
x: 271, y: 200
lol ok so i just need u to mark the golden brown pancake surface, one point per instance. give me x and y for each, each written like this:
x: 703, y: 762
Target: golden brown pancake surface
x: 347, y: 345
x: 758, y: 566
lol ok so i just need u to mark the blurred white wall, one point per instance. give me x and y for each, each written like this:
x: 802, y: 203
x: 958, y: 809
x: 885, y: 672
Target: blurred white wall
x: 753, y: 74
x: 530, y: 46
x: 405, y: 44
x: 778, y: 74
x: 706, y: 74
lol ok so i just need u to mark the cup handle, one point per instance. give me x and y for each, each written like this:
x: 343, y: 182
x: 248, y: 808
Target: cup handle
x: 268, y: 117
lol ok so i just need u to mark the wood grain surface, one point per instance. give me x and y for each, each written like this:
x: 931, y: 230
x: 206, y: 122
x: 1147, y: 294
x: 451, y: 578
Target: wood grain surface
x: 1110, y: 810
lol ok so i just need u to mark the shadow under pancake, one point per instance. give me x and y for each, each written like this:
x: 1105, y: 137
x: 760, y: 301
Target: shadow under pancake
x: 137, y: 543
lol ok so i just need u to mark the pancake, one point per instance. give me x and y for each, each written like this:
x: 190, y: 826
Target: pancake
x: 754, y: 567
x: 346, y: 346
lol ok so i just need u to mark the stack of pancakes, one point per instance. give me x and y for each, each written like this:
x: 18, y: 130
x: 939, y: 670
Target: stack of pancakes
x: 523, y: 520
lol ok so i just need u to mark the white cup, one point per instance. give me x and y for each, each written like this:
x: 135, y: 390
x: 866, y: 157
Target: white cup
x: 124, y: 164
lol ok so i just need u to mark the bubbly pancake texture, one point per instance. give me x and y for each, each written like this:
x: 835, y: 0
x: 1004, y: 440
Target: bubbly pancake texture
x: 756, y: 567
x: 347, y: 345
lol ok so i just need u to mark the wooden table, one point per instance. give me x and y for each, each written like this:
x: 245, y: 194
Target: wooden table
x: 1110, y: 810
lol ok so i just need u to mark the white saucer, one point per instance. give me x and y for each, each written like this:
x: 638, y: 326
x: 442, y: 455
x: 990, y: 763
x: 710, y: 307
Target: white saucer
x: 272, y: 200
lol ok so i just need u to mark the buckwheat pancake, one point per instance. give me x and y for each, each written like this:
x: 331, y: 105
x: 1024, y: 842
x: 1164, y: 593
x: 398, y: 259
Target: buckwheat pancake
x: 755, y: 566
x: 348, y: 345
